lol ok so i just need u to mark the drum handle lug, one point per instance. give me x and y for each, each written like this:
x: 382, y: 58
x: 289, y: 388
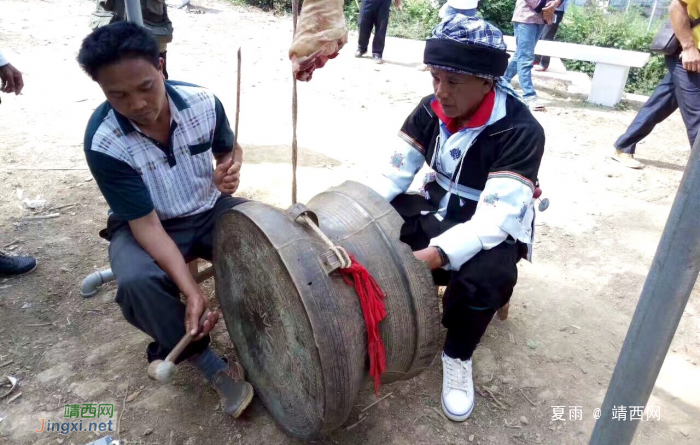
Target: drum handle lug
x: 298, y: 210
x: 336, y: 257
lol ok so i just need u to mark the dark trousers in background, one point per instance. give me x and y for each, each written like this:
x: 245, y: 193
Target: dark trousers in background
x: 548, y: 34
x: 660, y: 105
x: 678, y: 89
x: 148, y: 298
x: 687, y: 88
x: 476, y: 291
x: 373, y: 14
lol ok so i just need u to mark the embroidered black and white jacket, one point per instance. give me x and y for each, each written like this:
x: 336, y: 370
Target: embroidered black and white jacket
x: 482, y: 175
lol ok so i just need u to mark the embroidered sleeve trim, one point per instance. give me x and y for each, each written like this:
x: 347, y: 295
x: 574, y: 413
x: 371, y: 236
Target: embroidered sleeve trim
x: 412, y: 142
x: 512, y: 175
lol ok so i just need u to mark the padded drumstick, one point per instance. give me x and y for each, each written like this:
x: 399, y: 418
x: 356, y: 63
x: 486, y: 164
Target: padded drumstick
x: 164, y: 370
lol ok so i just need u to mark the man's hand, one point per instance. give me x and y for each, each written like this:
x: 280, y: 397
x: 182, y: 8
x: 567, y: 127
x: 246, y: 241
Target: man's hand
x: 196, y: 305
x: 431, y: 256
x: 227, y: 176
x: 548, y: 16
x: 678, y: 13
x: 150, y: 235
x: 691, y: 59
x: 550, y: 7
x: 11, y: 79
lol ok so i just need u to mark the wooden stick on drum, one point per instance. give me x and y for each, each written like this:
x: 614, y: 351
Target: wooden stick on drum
x: 209, y: 271
x: 238, y: 98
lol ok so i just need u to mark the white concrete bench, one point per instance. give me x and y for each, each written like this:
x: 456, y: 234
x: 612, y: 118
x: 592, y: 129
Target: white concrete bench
x: 611, y: 69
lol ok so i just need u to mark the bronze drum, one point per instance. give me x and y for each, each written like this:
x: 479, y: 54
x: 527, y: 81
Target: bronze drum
x: 297, y: 326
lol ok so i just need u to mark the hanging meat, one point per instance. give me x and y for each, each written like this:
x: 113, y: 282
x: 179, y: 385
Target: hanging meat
x: 321, y: 33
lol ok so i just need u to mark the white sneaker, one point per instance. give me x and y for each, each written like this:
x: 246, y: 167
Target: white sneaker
x: 457, y: 388
x: 535, y: 104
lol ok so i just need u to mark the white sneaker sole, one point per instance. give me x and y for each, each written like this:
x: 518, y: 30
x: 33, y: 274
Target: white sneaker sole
x: 455, y: 417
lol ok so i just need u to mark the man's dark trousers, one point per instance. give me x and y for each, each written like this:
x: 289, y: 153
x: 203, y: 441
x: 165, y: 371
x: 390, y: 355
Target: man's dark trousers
x: 687, y: 88
x: 476, y: 291
x: 548, y: 33
x: 660, y: 105
x: 373, y: 14
x: 149, y: 299
x: 678, y: 89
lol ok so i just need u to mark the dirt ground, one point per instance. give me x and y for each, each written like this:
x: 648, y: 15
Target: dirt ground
x: 568, y: 317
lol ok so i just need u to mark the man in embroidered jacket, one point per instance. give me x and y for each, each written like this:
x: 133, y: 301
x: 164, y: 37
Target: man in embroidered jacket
x: 473, y: 220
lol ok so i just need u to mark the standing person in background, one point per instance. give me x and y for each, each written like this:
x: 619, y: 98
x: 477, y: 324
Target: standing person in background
x: 12, y: 82
x: 550, y: 30
x: 155, y: 18
x: 464, y: 7
x: 528, y: 23
x: 680, y: 88
x: 374, y: 14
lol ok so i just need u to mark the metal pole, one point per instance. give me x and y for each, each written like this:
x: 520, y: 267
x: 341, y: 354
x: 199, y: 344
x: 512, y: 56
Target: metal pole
x: 133, y: 11
x: 666, y: 291
x: 653, y: 13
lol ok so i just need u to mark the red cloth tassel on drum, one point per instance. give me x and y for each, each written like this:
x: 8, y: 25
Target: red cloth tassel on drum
x: 372, y: 302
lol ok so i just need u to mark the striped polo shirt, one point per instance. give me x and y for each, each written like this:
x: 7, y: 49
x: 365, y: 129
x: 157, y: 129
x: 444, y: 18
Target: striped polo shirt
x: 137, y: 174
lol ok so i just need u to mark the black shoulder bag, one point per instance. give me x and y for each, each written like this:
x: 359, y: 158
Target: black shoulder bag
x: 665, y: 41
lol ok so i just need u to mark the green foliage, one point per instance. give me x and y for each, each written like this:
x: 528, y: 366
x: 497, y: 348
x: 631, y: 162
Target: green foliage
x: 589, y: 25
x: 415, y: 20
x: 498, y: 13
x: 613, y: 29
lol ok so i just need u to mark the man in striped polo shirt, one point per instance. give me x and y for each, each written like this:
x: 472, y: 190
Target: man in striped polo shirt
x: 151, y: 148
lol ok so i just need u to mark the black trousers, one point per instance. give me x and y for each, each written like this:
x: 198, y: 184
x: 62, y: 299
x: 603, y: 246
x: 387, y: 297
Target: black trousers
x: 476, y: 291
x: 548, y: 33
x: 660, y: 105
x: 148, y: 298
x: 687, y: 90
x: 678, y: 89
x: 373, y: 14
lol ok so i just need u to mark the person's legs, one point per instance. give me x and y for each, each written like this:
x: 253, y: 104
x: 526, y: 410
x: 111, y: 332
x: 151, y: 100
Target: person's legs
x: 365, y: 26
x: 660, y: 105
x: 149, y: 299
x: 480, y: 287
x: 527, y: 36
x: 474, y: 293
x: 687, y: 89
x: 226, y: 379
x: 548, y: 33
x: 381, y: 23
x: 512, y: 69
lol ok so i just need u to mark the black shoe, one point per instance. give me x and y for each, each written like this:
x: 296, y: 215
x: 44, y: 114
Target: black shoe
x: 235, y: 393
x: 16, y: 265
x: 360, y: 53
x: 377, y: 58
